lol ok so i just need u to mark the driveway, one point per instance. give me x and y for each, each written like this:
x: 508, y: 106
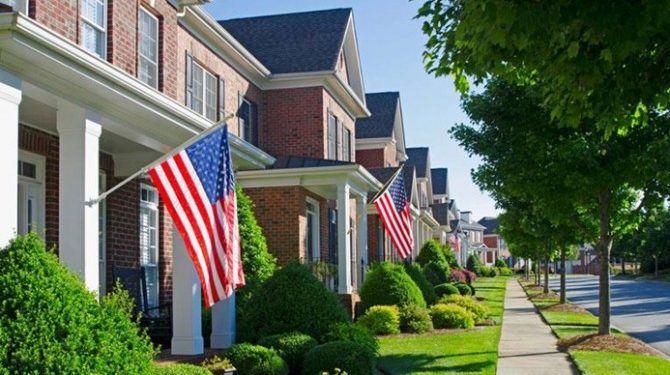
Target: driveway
x: 640, y: 308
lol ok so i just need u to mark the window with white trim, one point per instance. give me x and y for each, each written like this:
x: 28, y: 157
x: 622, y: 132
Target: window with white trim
x: 346, y: 145
x: 201, y: 90
x: 149, y: 241
x: 313, y: 230
x: 21, y: 6
x: 332, y: 136
x: 247, y: 125
x: 94, y: 26
x: 147, y: 48
x: 338, y: 140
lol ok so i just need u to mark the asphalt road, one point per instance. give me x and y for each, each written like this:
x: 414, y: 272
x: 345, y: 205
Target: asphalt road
x: 640, y: 308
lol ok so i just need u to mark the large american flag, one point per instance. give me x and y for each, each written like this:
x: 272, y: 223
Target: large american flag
x: 197, y: 185
x: 394, y: 212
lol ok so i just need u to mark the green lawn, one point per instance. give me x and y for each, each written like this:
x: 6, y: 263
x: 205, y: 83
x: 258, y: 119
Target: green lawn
x: 568, y: 331
x: 472, y: 351
x: 569, y: 318
x: 605, y: 363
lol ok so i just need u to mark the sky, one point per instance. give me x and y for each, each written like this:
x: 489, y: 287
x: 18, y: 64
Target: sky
x: 391, y: 43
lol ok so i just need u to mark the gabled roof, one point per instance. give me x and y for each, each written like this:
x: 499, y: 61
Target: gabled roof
x: 491, y: 224
x: 418, y: 157
x: 385, y: 174
x: 287, y: 162
x: 439, y: 179
x: 293, y: 43
x: 380, y: 124
x: 441, y: 213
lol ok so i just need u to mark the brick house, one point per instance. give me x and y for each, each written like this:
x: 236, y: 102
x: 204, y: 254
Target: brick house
x: 439, y: 178
x: 425, y: 224
x: 493, y: 241
x: 94, y: 90
x: 472, y: 236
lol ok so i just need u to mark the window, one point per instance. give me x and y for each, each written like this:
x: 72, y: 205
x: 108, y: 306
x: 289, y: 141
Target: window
x: 332, y: 137
x: 313, y: 230
x: 149, y: 241
x: 338, y: 141
x: 148, y: 48
x: 94, y: 26
x: 346, y: 144
x: 247, y: 117
x: 102, y: 229
x: 21, y: 6
x: 30, y: 193
x: 201, y: 90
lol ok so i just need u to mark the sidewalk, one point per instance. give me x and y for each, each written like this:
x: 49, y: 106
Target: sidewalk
x: 527, y: 345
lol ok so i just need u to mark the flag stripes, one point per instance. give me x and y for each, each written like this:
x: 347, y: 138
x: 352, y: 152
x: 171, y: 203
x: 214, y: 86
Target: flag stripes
x: 394, y: 212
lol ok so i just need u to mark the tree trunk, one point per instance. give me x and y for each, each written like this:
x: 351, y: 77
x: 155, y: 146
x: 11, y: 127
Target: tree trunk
x: 656, y: 266
x: 604, y: 247
x: 526, y: 271
x: 538, y: 275
x: 623, y: 266
x: 546, y: 274
x: 563, y: 297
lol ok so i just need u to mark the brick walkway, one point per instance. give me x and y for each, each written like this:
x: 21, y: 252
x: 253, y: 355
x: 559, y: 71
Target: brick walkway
x: 527, y: 345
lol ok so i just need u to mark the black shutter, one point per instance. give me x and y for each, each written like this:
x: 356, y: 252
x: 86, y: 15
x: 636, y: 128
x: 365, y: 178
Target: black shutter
x: 238, y: 112
x: 189, y: 80
x: 222, y: 99
x: 254, y: 124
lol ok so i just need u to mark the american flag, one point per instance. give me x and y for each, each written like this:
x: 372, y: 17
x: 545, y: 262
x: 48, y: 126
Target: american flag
x: 197, y: 185
x: 394, y: 212
x: 455, y: 241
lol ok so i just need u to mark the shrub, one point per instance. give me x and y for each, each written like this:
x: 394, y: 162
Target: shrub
x: 382, y: 320
x: 446, y: 289
x: 436, y: 273
x: 489, y: 271
x: 416, y: 273
x: 415, y: 319
x: 463, y: 289
x: 217, y: 365
x: 458, y: 276
x: 354, y: 333
x: 389, y: 284
x: 292, y: 347
x: 470, y: 277
x: 474, y: 264
x: 251, y: 359
x: 292, y: 300
x: 352, y: 358
x: 451, y: 316
x: 504, y: 271
x: 431, y: 251
x: 472, y: 289
x: 50, y: 323
x: 478, y: 310
x: 450, y: 256
x: 500, y: 263
x: 178, y: 369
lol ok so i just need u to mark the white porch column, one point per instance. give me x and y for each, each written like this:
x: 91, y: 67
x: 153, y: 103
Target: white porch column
x: 343, y: 240
x: 186, y: 303
x: 362, y: 240
x: 78, y: 172
x: 10, y: 97
x: 223, y: 324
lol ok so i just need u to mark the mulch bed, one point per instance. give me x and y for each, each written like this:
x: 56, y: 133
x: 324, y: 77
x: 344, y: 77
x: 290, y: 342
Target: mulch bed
x: 164, y: 357
x: 486, y: 323
x: 611, y: 343
x: 566, y: 307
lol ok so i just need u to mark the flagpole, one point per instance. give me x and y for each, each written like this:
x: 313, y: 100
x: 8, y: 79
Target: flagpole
x: 145, y: 169
x: 381, y: 191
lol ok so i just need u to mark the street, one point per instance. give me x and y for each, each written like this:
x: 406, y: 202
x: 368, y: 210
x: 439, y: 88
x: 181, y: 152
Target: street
x: 640, y: 308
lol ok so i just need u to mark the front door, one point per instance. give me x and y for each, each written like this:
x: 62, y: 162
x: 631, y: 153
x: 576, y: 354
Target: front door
x: 30, y: 194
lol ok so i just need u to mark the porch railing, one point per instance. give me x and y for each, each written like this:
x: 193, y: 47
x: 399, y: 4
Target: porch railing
x: 325, y: 271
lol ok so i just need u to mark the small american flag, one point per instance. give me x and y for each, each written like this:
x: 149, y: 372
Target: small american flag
x: 455, y: 241
x: 197, y: 185
x: 393, y: 208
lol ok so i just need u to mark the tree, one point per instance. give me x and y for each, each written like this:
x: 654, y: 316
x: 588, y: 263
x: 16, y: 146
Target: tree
x: 565, y: 171
x: 600, y: 62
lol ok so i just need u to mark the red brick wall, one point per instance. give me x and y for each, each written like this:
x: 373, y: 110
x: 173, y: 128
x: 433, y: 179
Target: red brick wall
x: 491, y: 241
x: 61, y: 16
x: 122, y: 34
x: 373, y: 240
x: 371, y: 158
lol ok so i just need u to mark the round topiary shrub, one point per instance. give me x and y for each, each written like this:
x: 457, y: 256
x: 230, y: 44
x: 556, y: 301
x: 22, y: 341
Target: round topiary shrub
x: 251, y: 359
x: 446, y: 289
x: 463, y: 289
x: 178, y: 369
x: 499, y: 263
x: 458, y: 276
x: 474, y: 264
x: 389, y: 284
x: 431, y: 251
x: 292, y: 347
x: 451, y: 316
x: 415, y: 319
x: 436, y: 273
x: 347, y: 356
x: 381, y: 320
x: 416, y: 273
x: 478, y: 310
x: 51, y: 324
x: 472, y: 289
x: 292, y: 300
x: 354, y: 333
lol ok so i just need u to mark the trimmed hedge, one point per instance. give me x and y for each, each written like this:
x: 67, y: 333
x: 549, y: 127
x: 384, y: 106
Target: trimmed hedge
x: 347, y: 356
x: 436, y: 273
x: 431, y: 251
x: 463, y: 289
x: 292, y: 347
x: 51, y: 324
x: 251, y: 359
x: 292, y: 300
x: 451, y: 316
x: 504, y: 271
x: 478, y: 310
x: 389, y: 284
x: 446, y: 289
x: 354, y: 333
x: 473, y: 264
x: 416, y: 273
x: 415, y: 319
x: 500, y: 263
x: 178, y: 369
x: 381, y: 320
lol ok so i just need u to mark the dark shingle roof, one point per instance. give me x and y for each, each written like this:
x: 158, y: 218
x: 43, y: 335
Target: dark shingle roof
x: 418, y: 157
x: 382, y: 108
x: 491, y: 224
x: 287, y: 162
x: 438, y: 178
x: 383, y: 175
x: 441, y: 213
x: 293, y: 43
